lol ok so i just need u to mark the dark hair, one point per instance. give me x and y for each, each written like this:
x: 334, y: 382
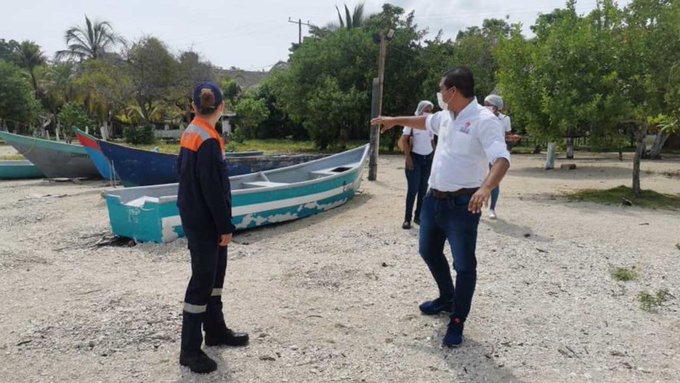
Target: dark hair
x: 207, y: 102
x: 460, y: 77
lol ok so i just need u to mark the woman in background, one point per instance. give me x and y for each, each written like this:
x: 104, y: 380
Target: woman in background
x: 495, y: 104
x: 418, y: 150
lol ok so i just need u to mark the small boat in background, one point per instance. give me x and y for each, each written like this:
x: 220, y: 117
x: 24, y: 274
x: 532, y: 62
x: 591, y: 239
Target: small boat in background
x: 54, y: 159
x: 18, y: 169
x: 139, y: 167
x: 91, y: 145
x: 150, y: 214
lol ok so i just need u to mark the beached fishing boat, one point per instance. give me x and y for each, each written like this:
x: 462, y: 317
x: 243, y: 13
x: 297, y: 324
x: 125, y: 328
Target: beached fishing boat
x: 138, y: 167
x: 91, y: 145
x: 150, y: 214
x: 18, y: 169
x: 54, y: 159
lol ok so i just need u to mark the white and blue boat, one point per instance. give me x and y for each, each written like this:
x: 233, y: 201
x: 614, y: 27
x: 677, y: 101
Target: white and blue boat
x: 150, y: 214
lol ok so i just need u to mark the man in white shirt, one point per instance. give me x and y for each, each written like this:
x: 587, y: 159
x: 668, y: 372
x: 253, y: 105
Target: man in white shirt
x: 495, y: 104
x: 460, y: 184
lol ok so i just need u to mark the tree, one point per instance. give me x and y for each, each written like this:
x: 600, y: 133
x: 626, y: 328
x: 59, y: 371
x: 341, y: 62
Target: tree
x: 59, y: 85
x: 231, y: 90
x: 29, y: 56
x: 336, y: 112
x: 154, y: 74
x: 347, y: 56
x: 354, y: 19
x: 649, y: 52
x: 278, y: 124
x: 17, y: 100
x: 250, y: 112
x: 7, y: 49
x: 73, y: 116
x: 105, y: 88
x: 91, y: 41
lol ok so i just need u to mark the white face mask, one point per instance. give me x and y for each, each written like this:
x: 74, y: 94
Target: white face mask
x: 440, y: 100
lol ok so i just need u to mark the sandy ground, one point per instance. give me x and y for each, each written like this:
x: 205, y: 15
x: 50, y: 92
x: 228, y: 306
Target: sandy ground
x: 334, y: 297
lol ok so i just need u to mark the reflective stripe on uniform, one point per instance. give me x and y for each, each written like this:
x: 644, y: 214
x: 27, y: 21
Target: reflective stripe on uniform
x: 197, y: 132
x: 216, y: 293
x: 194, y: 309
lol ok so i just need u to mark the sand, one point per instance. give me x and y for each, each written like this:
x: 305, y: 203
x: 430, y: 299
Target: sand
x: 334, y: 297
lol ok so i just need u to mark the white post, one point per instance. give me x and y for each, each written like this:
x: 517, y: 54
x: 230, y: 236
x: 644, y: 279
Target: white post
x: 550, y: 157
x: 105, y: 131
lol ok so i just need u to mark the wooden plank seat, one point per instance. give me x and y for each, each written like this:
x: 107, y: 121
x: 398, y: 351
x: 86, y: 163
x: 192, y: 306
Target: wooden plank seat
x: 263, y: 184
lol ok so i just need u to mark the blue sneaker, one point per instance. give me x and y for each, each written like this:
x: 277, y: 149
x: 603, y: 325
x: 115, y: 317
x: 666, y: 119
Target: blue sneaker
x: 436, y: 306
x: 454, y: 333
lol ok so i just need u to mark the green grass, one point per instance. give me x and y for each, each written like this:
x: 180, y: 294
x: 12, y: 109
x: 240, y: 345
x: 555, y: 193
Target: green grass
x: 522, y: 150
x: 650, y: 302
x: 624, y: 274
x: 649, y: 198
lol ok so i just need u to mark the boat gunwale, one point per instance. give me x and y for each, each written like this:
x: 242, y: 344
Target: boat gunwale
x: 356, y: 166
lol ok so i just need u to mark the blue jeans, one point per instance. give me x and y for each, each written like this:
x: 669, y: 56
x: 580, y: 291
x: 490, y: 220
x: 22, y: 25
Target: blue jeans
x: 494, y: 197
x: 443, y: 219
x: 494, y: 194
x: 417, y: 183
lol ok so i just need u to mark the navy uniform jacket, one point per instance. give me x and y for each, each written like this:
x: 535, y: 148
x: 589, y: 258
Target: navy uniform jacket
x: 204, y: 194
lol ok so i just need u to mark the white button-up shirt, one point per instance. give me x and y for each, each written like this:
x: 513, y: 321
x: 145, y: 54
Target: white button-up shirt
x: 421, y: 139
x: 466, y: 146
x: 505, y: 121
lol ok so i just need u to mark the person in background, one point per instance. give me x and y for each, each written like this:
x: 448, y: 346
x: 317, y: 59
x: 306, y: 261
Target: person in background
x: 204, y: 202
x: 495, y: 104
x: 460, y: 185
x: 418, y: 148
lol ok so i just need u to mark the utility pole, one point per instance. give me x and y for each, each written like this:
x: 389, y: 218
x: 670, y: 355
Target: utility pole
x: 376, y: 105
x: 300, y: 24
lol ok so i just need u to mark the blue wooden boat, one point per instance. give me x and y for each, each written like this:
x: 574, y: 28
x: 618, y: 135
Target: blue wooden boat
x: 150, y: 214
x: 18, y: 169
x: 95, y: 152
x: 138, y: 167
x: 54, y: 159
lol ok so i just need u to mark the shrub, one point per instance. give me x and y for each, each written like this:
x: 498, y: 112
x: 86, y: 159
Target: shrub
x: 139, y: 135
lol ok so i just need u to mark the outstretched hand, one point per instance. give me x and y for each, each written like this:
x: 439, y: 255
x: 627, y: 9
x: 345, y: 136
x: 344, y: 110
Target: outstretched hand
x: 386, y: 122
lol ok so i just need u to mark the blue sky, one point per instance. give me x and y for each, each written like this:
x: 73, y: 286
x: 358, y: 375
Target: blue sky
x: 251, y: 35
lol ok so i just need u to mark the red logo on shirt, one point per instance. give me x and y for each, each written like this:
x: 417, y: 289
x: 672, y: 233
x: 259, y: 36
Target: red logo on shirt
x: 466, y: 127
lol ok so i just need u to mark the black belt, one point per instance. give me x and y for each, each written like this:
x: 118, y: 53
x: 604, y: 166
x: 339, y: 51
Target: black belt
x: 450, y: 194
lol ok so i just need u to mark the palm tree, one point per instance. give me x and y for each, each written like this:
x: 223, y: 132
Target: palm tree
x: 90, y: 41
x: 355, y: 19
x: 29, y: 56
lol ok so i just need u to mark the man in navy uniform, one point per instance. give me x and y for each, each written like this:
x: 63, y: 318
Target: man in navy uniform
x: 204, y: 201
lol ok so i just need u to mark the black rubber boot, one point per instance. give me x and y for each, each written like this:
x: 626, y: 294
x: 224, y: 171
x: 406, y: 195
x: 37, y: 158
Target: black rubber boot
x: 199, y: 363
x: 191, y: 354
x: 216, y: 331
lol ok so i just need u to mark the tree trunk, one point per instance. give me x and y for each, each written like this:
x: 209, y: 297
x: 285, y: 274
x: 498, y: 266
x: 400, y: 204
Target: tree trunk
x: 550, y: 156
x: 639, y: 151
x: 659, y: 142
x: 570, y: 148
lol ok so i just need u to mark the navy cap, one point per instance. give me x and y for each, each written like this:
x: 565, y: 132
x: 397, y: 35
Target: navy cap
x: 204, y: 87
